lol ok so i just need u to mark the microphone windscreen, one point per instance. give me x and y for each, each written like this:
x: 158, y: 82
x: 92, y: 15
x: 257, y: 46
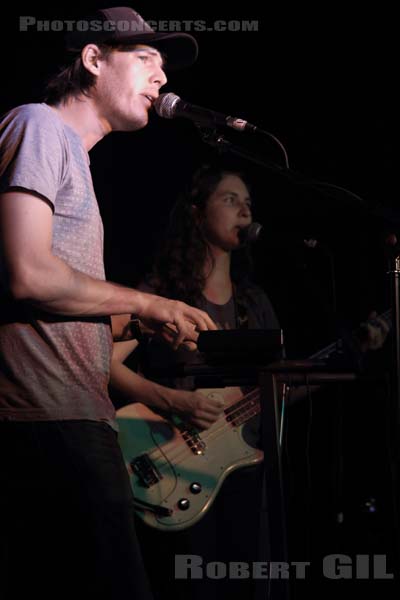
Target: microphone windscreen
x: 165, y: 105
x: 251, y: 233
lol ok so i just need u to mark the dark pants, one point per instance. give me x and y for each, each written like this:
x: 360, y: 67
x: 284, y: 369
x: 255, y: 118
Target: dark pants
x: 230, y: 531
x: 66, y: 517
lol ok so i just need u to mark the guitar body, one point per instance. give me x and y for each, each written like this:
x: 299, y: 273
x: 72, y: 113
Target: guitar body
x: 175, y: 470
x: 179, y: 468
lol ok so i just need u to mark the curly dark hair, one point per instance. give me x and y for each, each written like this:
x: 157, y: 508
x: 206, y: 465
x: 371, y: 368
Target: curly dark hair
x: 178, y: 271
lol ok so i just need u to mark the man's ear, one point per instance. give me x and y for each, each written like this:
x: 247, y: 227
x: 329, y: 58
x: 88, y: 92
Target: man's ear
x: 91, y: 58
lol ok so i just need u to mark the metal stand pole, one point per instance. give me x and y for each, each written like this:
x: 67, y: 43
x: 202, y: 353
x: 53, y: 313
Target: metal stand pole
x: 277, y: 588
x: 394, y: 274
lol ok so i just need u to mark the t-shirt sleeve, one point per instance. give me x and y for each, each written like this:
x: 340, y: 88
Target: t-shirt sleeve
x: 32, y: 155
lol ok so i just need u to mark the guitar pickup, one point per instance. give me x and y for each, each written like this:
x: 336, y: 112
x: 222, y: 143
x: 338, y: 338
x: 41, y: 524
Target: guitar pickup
x: 144, y: 468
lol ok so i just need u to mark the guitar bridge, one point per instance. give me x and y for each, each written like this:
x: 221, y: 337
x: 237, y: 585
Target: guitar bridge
x: 144, y: 468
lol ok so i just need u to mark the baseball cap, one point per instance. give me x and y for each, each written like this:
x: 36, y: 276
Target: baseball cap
x: 122, y: 25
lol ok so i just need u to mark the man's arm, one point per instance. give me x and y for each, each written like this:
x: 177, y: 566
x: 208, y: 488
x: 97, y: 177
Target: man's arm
x: 193, y: 406
x: 34, y: 274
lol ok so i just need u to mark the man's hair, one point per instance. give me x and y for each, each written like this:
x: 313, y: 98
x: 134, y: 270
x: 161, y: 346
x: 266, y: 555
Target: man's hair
x: 73, y: 79
x: 179, y: 267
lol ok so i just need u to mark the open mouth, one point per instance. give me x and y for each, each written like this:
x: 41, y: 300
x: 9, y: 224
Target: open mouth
x: 150, y: 99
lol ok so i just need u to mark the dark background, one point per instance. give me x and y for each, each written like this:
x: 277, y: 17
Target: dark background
x: 322, y: 81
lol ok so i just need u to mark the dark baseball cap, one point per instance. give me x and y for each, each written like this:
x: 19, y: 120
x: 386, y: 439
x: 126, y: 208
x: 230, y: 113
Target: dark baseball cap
x: 122, y: 25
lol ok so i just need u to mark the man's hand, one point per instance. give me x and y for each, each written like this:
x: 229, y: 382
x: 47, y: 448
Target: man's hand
x: 196, y: 408
x: 176, y: 321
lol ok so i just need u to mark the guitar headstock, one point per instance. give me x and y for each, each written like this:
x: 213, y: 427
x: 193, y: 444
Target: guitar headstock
x: 372, y: 334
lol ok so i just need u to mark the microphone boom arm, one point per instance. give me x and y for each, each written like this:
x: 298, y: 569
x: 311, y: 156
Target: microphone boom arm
x: 217, y: 140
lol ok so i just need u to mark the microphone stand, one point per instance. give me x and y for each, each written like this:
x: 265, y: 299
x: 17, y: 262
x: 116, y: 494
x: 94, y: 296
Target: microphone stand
x: 394, y: 276
x: 215, y: 139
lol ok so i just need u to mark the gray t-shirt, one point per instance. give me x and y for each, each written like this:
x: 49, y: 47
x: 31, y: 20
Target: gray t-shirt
x: 53, y: 367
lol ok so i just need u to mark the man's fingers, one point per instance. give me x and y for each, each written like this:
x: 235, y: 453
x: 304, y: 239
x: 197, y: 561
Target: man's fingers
x: 206, y: 323
x: 191, y: 346
x: 200, y: 319
x: 187, y: 330
x: 184, y: 332
x: 182, y: 323
x: 169, y: 333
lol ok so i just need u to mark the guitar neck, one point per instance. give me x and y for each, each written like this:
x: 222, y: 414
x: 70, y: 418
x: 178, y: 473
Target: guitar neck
x: 245, y: 409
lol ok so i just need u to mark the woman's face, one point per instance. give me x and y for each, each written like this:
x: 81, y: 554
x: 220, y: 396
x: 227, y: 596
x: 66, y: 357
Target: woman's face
x: 227, y: 211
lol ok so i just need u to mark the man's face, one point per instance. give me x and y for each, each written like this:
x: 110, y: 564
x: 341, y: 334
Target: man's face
x: 127, y: 85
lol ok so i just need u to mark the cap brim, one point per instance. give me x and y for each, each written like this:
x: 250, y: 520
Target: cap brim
x: 180, y: 49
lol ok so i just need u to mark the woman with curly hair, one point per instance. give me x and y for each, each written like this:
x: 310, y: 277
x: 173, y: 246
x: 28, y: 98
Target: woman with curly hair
x: 203, y: 262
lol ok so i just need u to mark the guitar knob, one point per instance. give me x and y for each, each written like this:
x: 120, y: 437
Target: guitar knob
x: 195, y: 488
x: 183, y: 504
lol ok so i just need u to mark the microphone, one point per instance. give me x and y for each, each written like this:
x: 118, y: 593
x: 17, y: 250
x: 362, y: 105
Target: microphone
x: 170, y: 106
x: 250, y: 234
x: 253, y: 233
